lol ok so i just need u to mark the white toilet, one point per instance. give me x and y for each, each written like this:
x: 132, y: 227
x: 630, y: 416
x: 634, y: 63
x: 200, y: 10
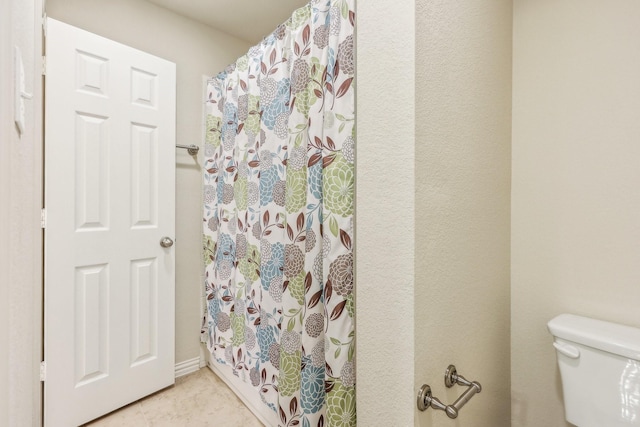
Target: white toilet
x: 600, y: 370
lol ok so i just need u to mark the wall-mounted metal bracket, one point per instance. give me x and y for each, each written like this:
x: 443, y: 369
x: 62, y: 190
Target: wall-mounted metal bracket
x: 451, y: 378
x: 192, y: 149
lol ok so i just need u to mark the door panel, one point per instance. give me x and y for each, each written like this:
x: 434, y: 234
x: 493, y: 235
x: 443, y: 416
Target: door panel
x: 110, y: 198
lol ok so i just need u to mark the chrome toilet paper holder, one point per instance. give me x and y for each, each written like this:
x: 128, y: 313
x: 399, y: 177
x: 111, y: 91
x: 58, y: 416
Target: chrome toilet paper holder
x: 451, y: 378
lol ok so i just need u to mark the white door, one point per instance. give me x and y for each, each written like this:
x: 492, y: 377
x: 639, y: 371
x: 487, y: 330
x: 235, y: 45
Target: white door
x: 109, y: 200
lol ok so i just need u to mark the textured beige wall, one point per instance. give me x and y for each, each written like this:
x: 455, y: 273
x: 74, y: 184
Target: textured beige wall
x: 463, y: 161
x: 576, y: 169
x: 384, y: 212
x: 20, y: 203
x: 5, y: 135
x: 432, y: 221
x: 197, y: 50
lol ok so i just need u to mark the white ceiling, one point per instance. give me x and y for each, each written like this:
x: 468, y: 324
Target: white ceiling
x: 249, y: 20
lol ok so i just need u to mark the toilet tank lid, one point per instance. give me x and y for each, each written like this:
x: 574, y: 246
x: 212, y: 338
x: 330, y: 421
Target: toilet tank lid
x: 606, y: 336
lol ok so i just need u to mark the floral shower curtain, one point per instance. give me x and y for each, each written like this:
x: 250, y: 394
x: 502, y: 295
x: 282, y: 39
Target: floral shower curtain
x: 278, y: 217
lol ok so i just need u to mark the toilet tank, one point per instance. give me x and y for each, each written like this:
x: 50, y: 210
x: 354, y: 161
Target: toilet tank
x: 600, y: 370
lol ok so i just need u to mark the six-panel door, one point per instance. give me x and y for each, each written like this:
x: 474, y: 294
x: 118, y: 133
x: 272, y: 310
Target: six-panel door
x: 109, y: 190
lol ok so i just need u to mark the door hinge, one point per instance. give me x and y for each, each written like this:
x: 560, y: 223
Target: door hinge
x: 44, y: 65
x: 43, y: 218
x: 43, y: 370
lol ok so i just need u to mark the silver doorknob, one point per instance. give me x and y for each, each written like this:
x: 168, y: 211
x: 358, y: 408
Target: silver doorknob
x: 166, y: 242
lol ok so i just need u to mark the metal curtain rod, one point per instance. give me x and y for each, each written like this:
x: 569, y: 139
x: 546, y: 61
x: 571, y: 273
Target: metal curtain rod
x: 192, y: 149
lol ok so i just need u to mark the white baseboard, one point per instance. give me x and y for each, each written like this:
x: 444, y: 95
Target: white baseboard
x: 187, y: 367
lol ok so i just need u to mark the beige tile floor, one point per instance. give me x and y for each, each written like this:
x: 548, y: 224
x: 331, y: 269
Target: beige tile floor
x: 199, y: 399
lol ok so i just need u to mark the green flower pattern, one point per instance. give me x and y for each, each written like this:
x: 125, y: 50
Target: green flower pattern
x: 290, y: 373
x: 296, y: 190
x: 341, y: 405
x: 278, y: 218
x: 338, y: 186
x: 213, y: 130
x: 240, y: 191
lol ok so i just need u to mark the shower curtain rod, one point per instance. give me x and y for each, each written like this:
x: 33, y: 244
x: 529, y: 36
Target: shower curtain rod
x: 192, y: 149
